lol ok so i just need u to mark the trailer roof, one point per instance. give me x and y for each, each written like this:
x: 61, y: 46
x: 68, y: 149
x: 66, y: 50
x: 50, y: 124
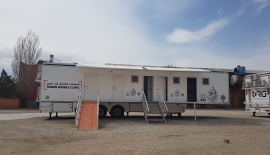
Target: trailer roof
x: 192, y: 68
x: 176, y: 69
x: 144, y: 68
x: 108, y: 67
x: 58, y: 64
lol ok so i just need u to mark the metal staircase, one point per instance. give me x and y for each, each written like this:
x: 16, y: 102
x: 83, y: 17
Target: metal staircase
x: 158, y: 107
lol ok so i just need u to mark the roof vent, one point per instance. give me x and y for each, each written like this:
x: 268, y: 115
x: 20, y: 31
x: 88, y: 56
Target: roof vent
x: 51, y: 58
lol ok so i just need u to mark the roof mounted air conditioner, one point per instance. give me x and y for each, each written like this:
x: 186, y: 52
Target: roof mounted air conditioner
x: 254, y: 77
x: 253, y: 84
x: 261, y: 83
x: 245, y: 84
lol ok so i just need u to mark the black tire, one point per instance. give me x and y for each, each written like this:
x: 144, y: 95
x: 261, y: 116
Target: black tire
x: 117, y: 111
x: 75, y: 110
x: 269, y: 114
x: 102, y: 111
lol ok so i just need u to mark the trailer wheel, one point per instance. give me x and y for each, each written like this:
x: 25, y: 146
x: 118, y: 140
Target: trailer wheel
x: 269, y: 114
x: 117, y: 111
x: 102, y: 111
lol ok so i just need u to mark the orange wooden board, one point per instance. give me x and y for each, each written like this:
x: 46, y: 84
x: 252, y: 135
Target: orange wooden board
x: 88, y: 119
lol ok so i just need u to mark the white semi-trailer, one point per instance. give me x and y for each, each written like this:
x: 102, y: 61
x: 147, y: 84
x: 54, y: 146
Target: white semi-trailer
x: 257, y: 90
x: 121, y: 88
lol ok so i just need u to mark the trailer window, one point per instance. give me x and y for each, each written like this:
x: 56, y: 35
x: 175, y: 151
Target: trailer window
x: 205, y: 81
x: 134, y: 78
x: 176, y: 80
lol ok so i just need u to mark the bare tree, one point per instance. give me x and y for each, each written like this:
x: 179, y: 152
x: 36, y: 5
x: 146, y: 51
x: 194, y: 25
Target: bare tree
x: 26, y: 54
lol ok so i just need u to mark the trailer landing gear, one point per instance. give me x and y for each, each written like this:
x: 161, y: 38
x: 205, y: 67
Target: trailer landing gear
x: 254, y: 114
x: 179, y: 114
x: 50, y: 115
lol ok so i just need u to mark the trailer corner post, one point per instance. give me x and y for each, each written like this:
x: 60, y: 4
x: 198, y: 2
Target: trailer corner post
x: 195, y: 111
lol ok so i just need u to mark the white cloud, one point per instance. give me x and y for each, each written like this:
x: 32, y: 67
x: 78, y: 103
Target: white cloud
x: 206, y: 58
x: 172, y: 5
x: 185, y: 36
x: 220, y: 12
x: 240, y: 12
x: 5, y: 64
x: 98, y: 32
x: 261, y: 4
x: 94, y: 32
x: 5, y: 59
x: 260, y: 1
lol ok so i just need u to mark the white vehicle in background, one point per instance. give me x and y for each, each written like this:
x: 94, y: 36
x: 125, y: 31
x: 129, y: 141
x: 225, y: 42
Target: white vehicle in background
x: 257, y: 93
x: 127, y: 88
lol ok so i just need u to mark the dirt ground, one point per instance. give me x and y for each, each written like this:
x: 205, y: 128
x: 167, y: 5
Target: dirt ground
x: 131, y: 135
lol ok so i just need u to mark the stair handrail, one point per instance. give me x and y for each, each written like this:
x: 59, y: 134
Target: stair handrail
x: 145, y: 106
x: 161, y: 103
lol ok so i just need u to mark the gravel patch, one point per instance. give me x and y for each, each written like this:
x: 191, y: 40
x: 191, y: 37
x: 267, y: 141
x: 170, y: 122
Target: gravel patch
x: 132, y: 135
x: 26, y: 115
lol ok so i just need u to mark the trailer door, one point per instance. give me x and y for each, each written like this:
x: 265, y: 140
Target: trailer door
x: 90, y: 86
x: 118, y: 87
x: 148, y: 87
x: 162, y: 86
x: 191, y: 89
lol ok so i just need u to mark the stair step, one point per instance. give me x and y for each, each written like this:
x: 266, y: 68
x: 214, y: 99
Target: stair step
x: 154, y: 112
x: 157, y: 108
x: 154, y: 117
x: 153, y: 106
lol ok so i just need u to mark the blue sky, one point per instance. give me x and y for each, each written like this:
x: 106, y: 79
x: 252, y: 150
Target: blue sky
x: 187, y: 33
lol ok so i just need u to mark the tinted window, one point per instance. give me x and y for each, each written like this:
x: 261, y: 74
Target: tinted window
x: 205, y: 81
x: 134, y: 78
x: 176, y: 80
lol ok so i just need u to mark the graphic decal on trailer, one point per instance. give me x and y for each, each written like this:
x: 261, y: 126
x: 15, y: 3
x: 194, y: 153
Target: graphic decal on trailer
x: 203, y: 97
x: 177, y: 93
x: 223, y: 97
x: 212, y: 95
x: 133, y: 92
x: 62, y: 85
x: 259, y: 94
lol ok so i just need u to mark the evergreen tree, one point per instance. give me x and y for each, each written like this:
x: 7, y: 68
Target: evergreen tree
x: 7, y: 85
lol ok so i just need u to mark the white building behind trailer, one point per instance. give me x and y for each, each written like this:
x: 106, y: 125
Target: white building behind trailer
x: 257, y: 92
x: 121, y: 88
